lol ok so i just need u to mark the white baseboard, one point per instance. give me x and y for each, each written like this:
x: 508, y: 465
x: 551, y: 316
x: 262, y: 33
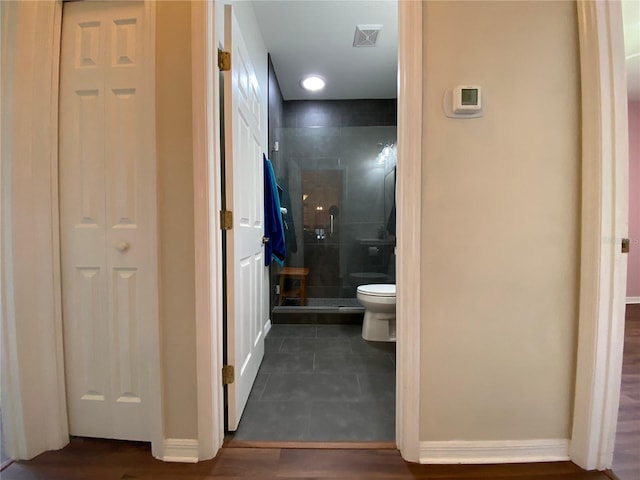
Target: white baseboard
x: 267, y: 327
x: 633, y: 300
x: 505, y: 451
x: 183, y: 450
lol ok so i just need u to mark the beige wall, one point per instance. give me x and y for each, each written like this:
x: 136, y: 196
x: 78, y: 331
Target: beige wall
x: 500, y: 222
x: 175, y: 218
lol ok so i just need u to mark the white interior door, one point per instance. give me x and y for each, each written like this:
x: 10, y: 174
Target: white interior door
x: 107, y: 218
x: 247, y: 276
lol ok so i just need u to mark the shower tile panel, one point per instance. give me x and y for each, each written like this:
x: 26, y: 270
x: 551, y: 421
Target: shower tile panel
x: 373, y: 132
x: 317, y: 131
x: 364, y: 119
x: 315, y: 146
x: 340, y: 113
x: 318, y: 117
x: 366, y: 201
x: 320, y: 163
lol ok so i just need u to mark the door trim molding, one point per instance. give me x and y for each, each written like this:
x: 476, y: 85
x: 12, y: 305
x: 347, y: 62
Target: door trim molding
x: 409, y: 218
x: 155, y: 397
x: 492, y: 451
x: 207, y: 183
x: 604, y: 224
x: 33, y: 390
x: 182, y: 450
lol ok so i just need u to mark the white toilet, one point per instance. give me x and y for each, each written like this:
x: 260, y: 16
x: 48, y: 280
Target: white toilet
x: 379, y: 302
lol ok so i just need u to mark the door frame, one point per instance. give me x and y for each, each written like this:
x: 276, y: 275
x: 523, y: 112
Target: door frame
x: 208, y: 239
x: 22, y: 441
x: 207, y: 179
x: 604, y: 219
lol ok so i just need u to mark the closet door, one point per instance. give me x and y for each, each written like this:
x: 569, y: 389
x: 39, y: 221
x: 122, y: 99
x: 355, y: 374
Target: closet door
x: 107, y: 217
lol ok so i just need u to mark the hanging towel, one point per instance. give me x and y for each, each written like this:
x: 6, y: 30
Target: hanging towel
x: 273, y: 229
x: 290, y: 241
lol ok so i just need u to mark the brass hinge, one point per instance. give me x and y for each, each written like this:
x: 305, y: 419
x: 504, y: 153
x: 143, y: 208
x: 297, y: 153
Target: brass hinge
x: 228, y: 375
x: 226, y: 220
x: 224, y: 60
x: 626, y: 246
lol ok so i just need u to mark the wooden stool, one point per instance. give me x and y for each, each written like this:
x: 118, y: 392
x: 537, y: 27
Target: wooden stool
x: 294, y: 273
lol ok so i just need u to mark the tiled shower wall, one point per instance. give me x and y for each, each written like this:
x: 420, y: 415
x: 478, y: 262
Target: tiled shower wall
x: 345, y: 135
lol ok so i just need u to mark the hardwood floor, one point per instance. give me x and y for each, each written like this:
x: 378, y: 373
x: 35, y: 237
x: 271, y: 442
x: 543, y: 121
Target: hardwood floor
x: 626, y: 456
x: 109, y: 460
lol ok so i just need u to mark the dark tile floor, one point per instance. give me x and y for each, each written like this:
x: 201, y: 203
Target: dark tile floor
x: 322, y: 383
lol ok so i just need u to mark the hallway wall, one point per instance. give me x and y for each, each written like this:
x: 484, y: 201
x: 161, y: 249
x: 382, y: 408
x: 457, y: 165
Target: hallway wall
x: 176, y: 258
x: 501, y: 212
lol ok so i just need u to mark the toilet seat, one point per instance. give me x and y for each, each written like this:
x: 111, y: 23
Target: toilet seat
x: 378, y: 290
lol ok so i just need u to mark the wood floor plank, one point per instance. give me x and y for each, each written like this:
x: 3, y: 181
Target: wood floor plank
x: 626, y: 456
x: 355, y: 464
x: 543, y: 469
x: 106, y: 460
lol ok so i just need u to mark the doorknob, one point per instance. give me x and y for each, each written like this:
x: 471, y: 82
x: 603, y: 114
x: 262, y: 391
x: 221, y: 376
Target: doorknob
x: 123, y: 246
x: 265, y: 240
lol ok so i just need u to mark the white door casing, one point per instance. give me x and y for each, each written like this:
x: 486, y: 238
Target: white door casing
x: 605, y: 169
x: 107, y: 219
x: 247, y: 276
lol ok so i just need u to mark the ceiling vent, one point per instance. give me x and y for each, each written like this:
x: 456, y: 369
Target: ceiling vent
x: 366, y: 35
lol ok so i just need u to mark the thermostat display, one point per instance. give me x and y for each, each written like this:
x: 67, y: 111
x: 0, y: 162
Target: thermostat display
x: 466, y: 99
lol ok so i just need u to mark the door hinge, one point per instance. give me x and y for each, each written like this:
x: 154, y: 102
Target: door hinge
x: 226, y: 220
x: 626, y: 246
x: 228, y: 375
x: 224, y: 60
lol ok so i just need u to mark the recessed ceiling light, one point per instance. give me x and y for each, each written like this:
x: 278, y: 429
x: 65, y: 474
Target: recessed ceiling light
x: 313, y: 83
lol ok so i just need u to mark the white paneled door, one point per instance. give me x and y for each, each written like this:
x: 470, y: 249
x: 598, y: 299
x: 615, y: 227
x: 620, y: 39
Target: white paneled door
x: 107, y: 218
x: 247, y: 276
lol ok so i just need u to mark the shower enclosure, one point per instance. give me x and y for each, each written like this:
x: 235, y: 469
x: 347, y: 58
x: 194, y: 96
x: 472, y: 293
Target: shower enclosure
x: 338, y: 186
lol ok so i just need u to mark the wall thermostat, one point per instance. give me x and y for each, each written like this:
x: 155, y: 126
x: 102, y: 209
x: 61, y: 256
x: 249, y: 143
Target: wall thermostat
x: 467, y: 99
x: 463, y: 101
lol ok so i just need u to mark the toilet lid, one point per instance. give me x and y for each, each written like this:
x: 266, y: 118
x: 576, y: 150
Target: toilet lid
x: 378, y: 290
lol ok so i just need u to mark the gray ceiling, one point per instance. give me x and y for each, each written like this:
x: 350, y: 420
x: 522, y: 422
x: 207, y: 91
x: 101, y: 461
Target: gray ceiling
x: 305, y: 37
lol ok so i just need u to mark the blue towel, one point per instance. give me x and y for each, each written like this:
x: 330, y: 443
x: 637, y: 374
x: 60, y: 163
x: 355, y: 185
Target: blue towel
x: 273, y: 229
